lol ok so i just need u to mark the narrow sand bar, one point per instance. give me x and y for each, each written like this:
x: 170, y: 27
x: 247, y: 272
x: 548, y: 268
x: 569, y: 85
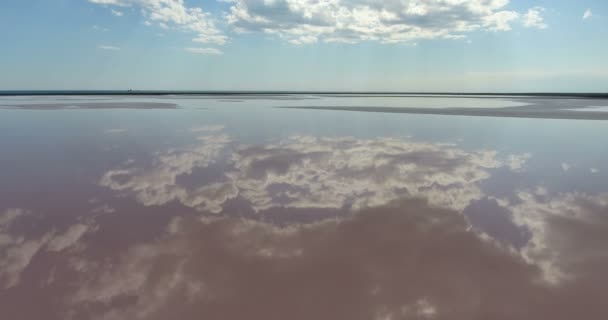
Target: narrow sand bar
x: 559, y: 108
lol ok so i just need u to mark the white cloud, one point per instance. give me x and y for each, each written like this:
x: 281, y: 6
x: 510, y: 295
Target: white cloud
x: 117, y: 13
x: 500, y: 21
x: 175, y: 14
x: 98, y: 28
x: 109, y: 48
x: 109, y: 2
x: 566, y: 167
x: 208, y: 51
x: 309, y: 21
x: 594, y: 170
x: 588, y: 14
x: 534, y: 19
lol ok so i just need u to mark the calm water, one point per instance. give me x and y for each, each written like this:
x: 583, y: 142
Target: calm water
x: 231, y: 208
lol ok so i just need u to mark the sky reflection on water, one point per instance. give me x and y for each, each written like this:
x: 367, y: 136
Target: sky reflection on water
x: 233, y: 212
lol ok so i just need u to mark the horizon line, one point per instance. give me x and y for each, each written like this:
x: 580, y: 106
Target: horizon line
x: 603, y: 95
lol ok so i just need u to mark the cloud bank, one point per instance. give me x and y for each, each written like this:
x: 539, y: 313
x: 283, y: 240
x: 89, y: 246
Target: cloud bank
x: 175, y: 14
x: 309, y: 21
x: 347, y: 21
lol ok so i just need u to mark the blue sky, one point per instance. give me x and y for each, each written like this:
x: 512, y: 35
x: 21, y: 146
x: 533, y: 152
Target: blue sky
x: 389, y: 45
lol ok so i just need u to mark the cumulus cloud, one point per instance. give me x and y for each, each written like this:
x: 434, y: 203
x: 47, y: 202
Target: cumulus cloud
x: 533, y: 18
x: 500, y: 21
x: 588, y: 14
x: 117, y: 13
x: 308, y: 21
x: 175, y: 14
x: 110, y: 2
x: 98, y: 28
x: 207, y: 51
x: 565, y: 166
x: 107, y: 47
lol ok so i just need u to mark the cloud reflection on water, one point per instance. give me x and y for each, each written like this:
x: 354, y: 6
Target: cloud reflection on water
x: 569, y: 232
x: 19, y: 249
x: 409, y: 240
x: 402, y: 260
x: 306, y: 171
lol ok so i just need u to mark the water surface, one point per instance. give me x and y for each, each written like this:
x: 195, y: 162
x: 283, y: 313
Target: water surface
x: 231, y: 208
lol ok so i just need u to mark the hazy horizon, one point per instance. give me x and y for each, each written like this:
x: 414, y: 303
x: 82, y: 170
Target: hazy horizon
x: 135, y: 92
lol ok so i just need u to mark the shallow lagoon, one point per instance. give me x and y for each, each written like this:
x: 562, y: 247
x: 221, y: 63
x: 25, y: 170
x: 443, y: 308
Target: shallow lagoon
x: 230, y: 207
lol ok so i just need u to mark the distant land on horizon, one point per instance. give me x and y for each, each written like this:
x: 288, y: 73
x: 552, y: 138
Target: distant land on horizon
x: 585, y: 95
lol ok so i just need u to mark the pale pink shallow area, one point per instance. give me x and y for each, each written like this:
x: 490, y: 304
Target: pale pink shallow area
x: 189, y: 214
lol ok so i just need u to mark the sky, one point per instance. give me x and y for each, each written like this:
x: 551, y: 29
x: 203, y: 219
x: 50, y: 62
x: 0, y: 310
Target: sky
x: 304, y: 45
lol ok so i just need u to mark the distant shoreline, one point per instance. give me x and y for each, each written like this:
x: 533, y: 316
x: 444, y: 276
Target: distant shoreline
x: 339, y: 93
